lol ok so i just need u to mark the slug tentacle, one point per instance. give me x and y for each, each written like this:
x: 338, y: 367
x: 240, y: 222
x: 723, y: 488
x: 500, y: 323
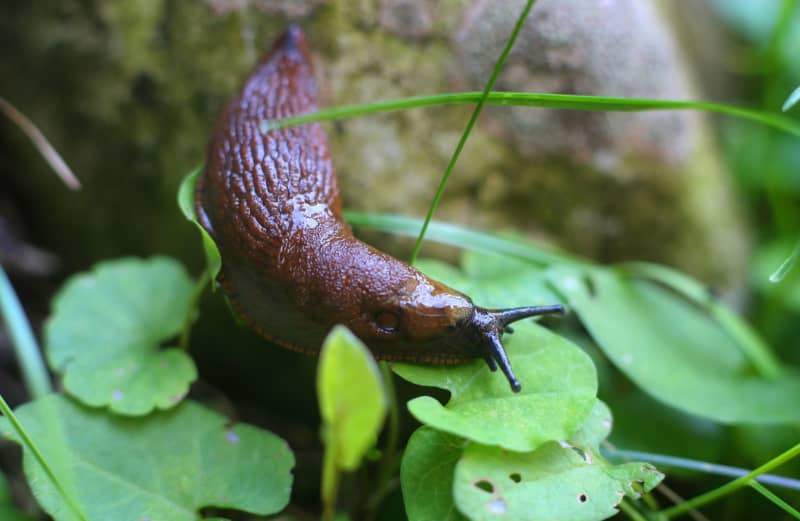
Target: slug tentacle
x: 492, y: 323
x: 290, y: 264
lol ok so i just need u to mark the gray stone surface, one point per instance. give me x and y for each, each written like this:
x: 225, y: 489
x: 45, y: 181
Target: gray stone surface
x: 127, y: 92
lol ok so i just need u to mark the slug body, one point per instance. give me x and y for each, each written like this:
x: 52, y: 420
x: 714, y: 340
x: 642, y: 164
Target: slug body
x: 291, y: 266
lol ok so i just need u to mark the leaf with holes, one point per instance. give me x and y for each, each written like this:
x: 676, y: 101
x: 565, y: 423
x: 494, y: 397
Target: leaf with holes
x: 7, y: 510
x: 426, y: 475
x: 106, y: 330
x: 168, y: 465
x: 674, y: 350
x: 186, y: 204
x: 564, y: 481
x: 559, y: 383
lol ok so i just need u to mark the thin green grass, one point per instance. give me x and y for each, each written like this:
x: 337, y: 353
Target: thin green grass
x: 28, y: 442
x: 470, y: 125
x: 540, y: 100
x: 767, y: 493
x: 732, y: 486
x: 34, y: 373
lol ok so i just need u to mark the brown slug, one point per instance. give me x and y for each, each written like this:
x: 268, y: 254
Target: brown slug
x: 291, y: 266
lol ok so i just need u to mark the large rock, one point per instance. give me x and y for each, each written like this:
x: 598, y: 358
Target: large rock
x: 127, y: 92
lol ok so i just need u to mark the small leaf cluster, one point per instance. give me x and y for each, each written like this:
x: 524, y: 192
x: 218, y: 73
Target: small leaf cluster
x: 123, y: 442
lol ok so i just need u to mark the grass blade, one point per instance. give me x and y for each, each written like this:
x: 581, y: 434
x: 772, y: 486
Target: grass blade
x: 470, y: 124
x: 540, y: 100
x: 37, y: 380
x: 786, y: 507
x: 731, y: 486
x: 28, y: 442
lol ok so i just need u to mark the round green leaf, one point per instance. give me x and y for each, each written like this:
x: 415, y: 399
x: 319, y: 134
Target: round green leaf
x: 559, y: 385
x: 559, y: 382
x: 106, y: 330
x: 166, y: 466
x: 674, y: 350
x: 352, y: 399
x: 564, y: 481
x: 426, y: 475
x: 186, y: 204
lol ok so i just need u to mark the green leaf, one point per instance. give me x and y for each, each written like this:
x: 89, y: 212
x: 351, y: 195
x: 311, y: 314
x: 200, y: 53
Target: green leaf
x: 7, y: 510
x: 559, y: 385
x: 352, y: 398
x: 557, y: 481
x: 165, y: 466
x: 186, y: 203
x: 595, y: 428
x: 106, y: 329
x: 426, y: 475
x: 642, y: 423
x: 673, y: 350
x: 792, y: 100
x: 745, y: 338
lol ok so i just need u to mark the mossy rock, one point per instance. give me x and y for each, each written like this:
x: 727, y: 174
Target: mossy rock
x: 128, y: 91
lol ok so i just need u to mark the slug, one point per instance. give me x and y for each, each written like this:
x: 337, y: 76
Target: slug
x: 291, y: 265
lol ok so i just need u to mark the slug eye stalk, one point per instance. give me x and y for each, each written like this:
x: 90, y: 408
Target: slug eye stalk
x: 491, y: 323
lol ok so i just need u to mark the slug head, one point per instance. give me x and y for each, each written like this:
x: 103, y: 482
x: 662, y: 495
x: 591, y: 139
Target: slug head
x: 427, y: 321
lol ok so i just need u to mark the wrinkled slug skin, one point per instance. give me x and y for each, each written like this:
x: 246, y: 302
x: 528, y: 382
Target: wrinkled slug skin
x: 291, y: 266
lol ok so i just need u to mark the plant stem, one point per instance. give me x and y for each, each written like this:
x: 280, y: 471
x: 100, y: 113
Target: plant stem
x: 732, y: 486
x: 764, y: 491
x: 37, y: 380
x: 188, y: 321
x: 330, y: 478
x: 44, y: 147
x: 388, y: 461
x: 700, y: 466
x: 27, y: 441
x: 630, y: 511
x: 470, y: 124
